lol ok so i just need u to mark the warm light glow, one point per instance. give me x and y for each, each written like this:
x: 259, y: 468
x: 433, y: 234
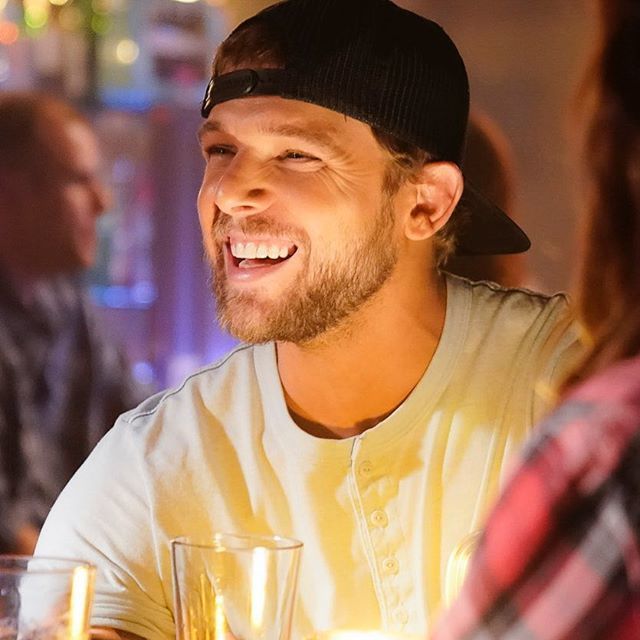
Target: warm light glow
x: 219, y: 620
x: 3, y: 4
x: 81, y: 595
x: 59, y: 3
x: 9, y: 32
x: 100, y: 6
x: 187, y: 1
x: 127, y: 51
x: 258, y: 586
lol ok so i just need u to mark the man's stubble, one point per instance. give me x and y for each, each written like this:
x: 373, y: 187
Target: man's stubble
x: 321, y: 298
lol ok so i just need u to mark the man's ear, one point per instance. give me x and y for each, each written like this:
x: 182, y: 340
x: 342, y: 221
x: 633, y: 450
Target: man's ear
x: 438, y: 187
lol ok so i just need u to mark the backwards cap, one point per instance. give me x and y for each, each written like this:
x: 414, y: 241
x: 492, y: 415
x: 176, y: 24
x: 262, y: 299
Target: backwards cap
x: 382, y: 65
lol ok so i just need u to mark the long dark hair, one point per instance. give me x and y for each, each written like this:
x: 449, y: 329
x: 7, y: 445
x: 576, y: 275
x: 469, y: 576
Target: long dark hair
x: 608, y: 296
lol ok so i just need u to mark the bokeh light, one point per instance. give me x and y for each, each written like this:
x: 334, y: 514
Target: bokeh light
x: 71, y: 18
x: 9, y: 32
x: 100, y: 6
x: 100, y: 24
x: 127, y: 51
x: 36, y: 13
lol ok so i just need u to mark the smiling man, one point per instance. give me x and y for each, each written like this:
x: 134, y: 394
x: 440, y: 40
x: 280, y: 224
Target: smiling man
x: 376, y: 401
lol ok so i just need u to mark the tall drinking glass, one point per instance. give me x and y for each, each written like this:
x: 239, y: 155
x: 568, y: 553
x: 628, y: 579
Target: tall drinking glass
x: 234, y: 587
x: 45, y: 598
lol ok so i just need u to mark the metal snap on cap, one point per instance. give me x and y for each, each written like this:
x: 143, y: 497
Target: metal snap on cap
x: 236, y: 84
x: 247, y: 81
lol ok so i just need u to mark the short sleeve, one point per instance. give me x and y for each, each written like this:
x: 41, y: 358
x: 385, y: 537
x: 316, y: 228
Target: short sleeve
x: 103, y: 516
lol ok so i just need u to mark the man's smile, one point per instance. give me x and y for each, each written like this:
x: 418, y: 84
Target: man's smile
x: 258, y: 255
x: 261, y: 249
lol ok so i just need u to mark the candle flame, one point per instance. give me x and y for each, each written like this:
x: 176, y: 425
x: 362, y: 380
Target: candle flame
x: 258, y: 586
x: 81, y: 594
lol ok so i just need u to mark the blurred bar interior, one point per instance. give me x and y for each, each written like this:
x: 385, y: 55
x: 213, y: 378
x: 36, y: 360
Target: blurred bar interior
x: 139, y: 68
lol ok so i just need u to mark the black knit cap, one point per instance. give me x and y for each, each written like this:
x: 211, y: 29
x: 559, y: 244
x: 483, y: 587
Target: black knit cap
x: 385, y: 66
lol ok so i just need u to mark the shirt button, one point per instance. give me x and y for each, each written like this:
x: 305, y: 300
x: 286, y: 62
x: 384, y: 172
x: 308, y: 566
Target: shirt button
x: 390, y: 566
x: 365, y: 469
x: 401, y: 616
x: 379, y: 518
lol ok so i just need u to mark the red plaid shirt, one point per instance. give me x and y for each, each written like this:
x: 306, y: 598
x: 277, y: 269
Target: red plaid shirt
x: 560, y: 556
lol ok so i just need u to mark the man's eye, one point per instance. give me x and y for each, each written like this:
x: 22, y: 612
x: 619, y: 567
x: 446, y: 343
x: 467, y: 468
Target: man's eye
x: 298, y: 155
x: 218, y: 150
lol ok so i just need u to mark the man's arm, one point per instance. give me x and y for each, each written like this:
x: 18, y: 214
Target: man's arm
x: 103, y: 517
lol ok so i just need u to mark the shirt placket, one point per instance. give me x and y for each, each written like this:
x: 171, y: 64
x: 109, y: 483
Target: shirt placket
x: 374, y: 495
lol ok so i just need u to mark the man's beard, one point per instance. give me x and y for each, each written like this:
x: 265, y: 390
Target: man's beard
x: 320, y: 298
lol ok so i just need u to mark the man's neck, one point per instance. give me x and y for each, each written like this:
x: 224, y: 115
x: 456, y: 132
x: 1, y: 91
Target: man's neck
x: 353, y: 377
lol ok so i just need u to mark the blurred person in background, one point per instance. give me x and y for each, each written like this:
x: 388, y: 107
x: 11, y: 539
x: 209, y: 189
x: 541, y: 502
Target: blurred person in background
x: 560, y: 556
x: 61, y: 382
x: 489, y: 165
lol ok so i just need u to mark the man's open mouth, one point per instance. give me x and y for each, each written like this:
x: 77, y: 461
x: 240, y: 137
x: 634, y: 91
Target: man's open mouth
x: 248, y: 255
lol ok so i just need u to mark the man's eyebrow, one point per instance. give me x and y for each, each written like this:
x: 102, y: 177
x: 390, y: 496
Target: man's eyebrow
x: 208, y: 127
x: 314, y: 133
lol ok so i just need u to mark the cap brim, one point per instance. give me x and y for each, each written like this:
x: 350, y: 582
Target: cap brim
x: 487, y: 229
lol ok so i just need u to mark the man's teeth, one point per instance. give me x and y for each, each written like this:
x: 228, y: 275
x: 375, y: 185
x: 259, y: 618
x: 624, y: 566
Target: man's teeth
x: 251, y: 251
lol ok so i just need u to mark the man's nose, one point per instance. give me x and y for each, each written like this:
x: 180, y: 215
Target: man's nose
x: 244, y: 187
x: 101, y: 195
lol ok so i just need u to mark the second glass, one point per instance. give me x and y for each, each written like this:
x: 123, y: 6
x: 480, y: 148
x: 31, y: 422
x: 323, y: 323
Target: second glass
x: 234, y: 587
x: 46, y: 598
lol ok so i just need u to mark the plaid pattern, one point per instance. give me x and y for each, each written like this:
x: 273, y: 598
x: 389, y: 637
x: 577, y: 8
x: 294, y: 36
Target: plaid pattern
x: 61, y: 388
x: 560, y: 556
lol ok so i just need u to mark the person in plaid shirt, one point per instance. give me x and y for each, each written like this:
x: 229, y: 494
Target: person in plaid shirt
x: 560, y: 555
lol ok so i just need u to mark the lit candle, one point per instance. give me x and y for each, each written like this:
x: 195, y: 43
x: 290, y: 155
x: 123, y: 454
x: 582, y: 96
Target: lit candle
x: 258, y: 587
x: 81, y: 596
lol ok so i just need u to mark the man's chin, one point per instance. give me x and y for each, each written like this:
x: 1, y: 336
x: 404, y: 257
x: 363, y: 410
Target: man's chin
x: 247, y: 332
x: 246, y: 319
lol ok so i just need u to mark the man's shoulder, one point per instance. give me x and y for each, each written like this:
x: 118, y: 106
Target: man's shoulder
x: 519, y: 330
x: 234, y: 372
x: 489, y: 297
x: 507, y: 313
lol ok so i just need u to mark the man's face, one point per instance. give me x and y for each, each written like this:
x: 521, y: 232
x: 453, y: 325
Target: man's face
x: 295, y: 221
x: 57, y: 200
